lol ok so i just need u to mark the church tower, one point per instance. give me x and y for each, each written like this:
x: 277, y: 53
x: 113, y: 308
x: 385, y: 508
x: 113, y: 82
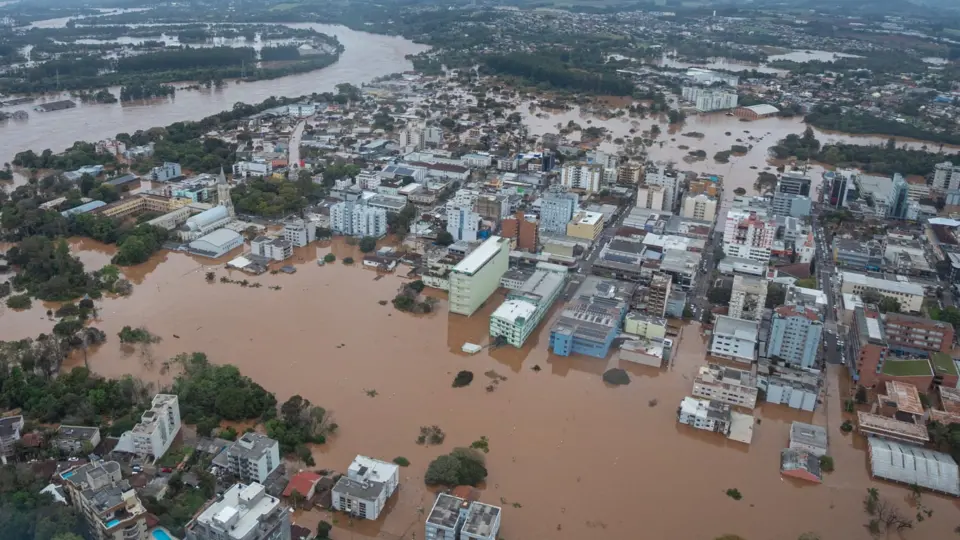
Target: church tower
x: 223, y: 193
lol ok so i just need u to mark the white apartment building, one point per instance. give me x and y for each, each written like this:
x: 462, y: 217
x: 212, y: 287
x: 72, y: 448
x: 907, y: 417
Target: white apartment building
x: 108, y: 503
x: 518, y: 316
x: 701, y: 206
x: 462, y: 222
x: 705, y: 414
x: 364, y: 490
x: 748, y: 236
x: 453, y: 518
x: 709, y: 99
x: 946, y: 176
x: 368, y: 180
x: 432, y: 135
x: 478, y: 275
x: 10, y: 428
x: 748, y: 298
x: 277, y: 249
x: 735, y: 339
x: 156, y: 430
x: 300, y: 232
x: 243, y: 512
x: 257, y: 167
x: 727, y: 385
x: 650, y: 196
x: 352, y: 219
x: 659, y: 175
x: 253, y: 457
x: 477, y: 161
x: 582, y: 176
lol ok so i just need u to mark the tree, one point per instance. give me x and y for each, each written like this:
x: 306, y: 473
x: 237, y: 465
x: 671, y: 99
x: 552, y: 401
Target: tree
x: 444, y: 238
x: 323, y: 530
x: 368, y: 244
x: 719, y: 295
x: 889, y: 305
x: 871, y: 296
x: 443, y: 470
x: 776, y: 295
x: 462, y: 466
x: 329, y: 258
x: 687, y: 312
x: 826, y: 463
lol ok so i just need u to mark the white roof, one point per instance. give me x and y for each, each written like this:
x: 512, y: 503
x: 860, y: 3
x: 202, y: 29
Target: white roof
x: 764, y: 109
x: 588, y: 218
x: 239, y: 262
x: 873, y: 329
x: 219, y: 237
x: 479, y: 257
x: 882, y: 284
x: 914, y: 465
x: 738, y: 328
x: 511, y: 310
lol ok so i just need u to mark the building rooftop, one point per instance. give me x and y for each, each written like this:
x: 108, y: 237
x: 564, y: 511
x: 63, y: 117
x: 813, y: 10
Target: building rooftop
x: 903, y: 396
x: 718, y: 374
x: 906, y: 368
x: 891, y: 428
x: 514, y: 310
x: 950, y: 397
x: 585, y: 217
x: 798, y: 311
x: 738, y: 328
x: 251, y: 446
x: 808, y: 435
x: 239, y: 510
x: 705, y: 408
x: 446, y: 511
x: 882, y: 284
x: 913, y: 465
x: 481, y: 519
x: 148, y: 421
x: 481, y: 255
x: 797, y: 460
x: 83, y: 433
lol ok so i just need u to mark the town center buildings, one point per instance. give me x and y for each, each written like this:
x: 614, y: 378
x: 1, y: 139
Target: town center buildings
x: 521, y: 313
x: 478, y: 275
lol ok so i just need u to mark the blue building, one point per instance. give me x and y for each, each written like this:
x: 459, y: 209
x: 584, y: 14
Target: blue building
x: 556, y: 210
x: 589, y: 324
x: 795, y: 335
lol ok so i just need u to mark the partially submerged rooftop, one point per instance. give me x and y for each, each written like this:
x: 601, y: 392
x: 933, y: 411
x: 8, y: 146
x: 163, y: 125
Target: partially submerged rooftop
x: 482, y: 519
x: 446, y: 511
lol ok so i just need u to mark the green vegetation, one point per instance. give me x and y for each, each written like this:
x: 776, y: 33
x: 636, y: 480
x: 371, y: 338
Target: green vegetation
x: 885, y: 517
x: 146, y: 90
x: 906, y: 368
x: 834, y: 117
x: 722, y: 156
x: 27, y: 514
x: 945, y: 438
x: 348, y: 260
x: 563, y: 70
x: 734, y: 494
x: 463, y: 378
x: 949, y: 315
x: 210, y: 393
x: 483, y: 444
x: 19, y: 301
x: 462, y: 467
x: 616, y: 376
x: 826, y: 463
x: 846, y: 427
x: 807, y: 283
x: 401, y: 461
x: 884, y: 159
x: 803, y: 147
x: 368, y: 244
x: 889, y: 305
x: 431, y: 435
x: 329, y: 258
x: 300, y: 423
x: 228, y: 433
x: 943, y: 363
x: 739, y: 191
x: 323, y: 530
x: 136, y: 335
x: 444, y: 238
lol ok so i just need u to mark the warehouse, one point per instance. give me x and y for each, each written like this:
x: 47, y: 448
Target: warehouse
x: 216, y: 244
x: 911, y: 465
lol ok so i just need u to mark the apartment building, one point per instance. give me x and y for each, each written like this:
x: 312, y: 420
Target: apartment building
x: 586, y: 225
x: 660, y: 175
x: 557, y: 209
x: 109, y: 505
x: 727, y: 385
x: 650, y: 197
x: 252, y: 457
x: 523, y: 230
x: 157, y: 429
x: 868, y: 346
x: 364, y: 490
x: 462, y: 223
x: 735, y: 339
x: 582, y: 176
x: 747, y: 235
x: 478, y: 275
x: 10, y: 428
x: 709, y: 99
x: 795, y: 335
x: 257, y: 167
x: 520, y: 314
x: 658, y: 294
x: 243, y: 512
x: 74, y: 439
x: 917, y: 336
x: 946, y: 176
x: 352, y: 219
x: 748, y: 298
x: 299, y: 232
x: 276, y: 249
x: 705, y: 414
x: 453, y: 518
x: 909, y: 294
x: 701, y: 206
x: 629, y: 173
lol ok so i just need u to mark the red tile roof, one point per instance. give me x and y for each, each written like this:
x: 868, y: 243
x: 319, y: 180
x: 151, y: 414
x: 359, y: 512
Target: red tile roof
x: 302, y: 482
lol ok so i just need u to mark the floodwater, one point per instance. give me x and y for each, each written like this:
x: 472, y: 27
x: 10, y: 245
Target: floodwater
x: 570, y: 457
x: 367, y: 56
x: 810, y: 56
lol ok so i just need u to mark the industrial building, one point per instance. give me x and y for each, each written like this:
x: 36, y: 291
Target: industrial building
x: 520, y: 314
x: 913, y: 466
x: 478, y: 275
x: 591, y: 321
x: 216, y: 244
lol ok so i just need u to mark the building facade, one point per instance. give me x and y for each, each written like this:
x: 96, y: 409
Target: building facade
x: 734, y: 338
x: 252, y: 457
x: 524, y: 308
x: 582, y: 176
x: 795, y: 335
x: 868, y: 346
x: 364, y: 490
x: 659, y: 175
x: 300, y: 232
x: 909, y: 335
x: 657, y: 294
x: 705, y: 414
x: 747, y: 235
x: 243, y: 512
x: 351, y: 219
x: 586, y: 225
x: 523, y: 230
x: 108, y: 503
x: 650, y: 196
x: 700, y: 206
x: 727, y: 385
x: 478, y: 275
x: 556, y: 210
x: 157, y: 428
x: 462, y: 223
x: 77, y: 439
x: 748, y: 298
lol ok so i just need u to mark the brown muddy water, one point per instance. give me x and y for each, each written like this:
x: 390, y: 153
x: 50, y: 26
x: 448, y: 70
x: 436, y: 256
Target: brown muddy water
x: 570, y: 457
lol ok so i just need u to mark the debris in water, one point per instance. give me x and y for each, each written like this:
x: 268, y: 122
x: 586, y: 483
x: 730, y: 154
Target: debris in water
x: 371, y: 393
x: 536, y: 367
x: 616, y: 376
x: 176, y: 336
x: 652, y: 403
x: 382, y: 302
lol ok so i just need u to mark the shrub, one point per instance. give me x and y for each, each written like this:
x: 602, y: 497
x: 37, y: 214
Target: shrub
x: 67, y: 327
x: 348, y: 260
x: 846, y: 427
x: 19, y: 301
x: 228, y: 434
x: 734, y: 494
x: 401, y: 461
x: 329, y: 258
x: 323, y: 530
x: 463, y: 466
x: 417, y: 285
x: 483, y: 444
x: 616, y: 376
x: 431, y: 435
x: 462, y: 379
x: 826, y: 463
x: 368, y: 244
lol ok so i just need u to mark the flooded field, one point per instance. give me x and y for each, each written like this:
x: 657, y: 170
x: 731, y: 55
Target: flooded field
x: 570, y: 457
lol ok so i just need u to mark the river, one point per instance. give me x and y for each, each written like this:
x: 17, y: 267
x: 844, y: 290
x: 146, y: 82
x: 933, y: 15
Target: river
x: 570, y: 457
x: 367, y: 56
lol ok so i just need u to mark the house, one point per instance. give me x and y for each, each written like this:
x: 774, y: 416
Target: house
x: 800, y: 464
x: 304, y: 483
x: 10, y: 428
x: 364, y: 490
x: 808, y: 438
x: 72, y: 439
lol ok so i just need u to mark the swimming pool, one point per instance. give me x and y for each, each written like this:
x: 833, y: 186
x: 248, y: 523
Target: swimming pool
x: 112, y: 523
x: 160, y: 534
x: 66, y: 475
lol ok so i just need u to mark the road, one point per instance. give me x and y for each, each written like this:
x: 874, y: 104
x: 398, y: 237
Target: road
x: 825, y: 274
x: 293, y: 153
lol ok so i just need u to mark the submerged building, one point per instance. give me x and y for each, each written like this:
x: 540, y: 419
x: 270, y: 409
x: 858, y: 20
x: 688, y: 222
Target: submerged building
x: 590, y: 322
x: 454, y: 518
x: 520, y: 314
x: 477, y: 276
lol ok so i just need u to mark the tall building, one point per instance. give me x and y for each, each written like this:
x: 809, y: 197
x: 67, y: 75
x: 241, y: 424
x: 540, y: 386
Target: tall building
x: 243, y: 512
x: 586, y: 225
x: 658, y: 294
x: 520, y: 314
x: 364, y: 490
x: 252, y: 457
x: 557, y: 209
x: 709, y: 99
x: 659, y: 175
x: 10, y: 428
x: 650, y: 197
x: 453, y: 518
x: 582, y: 176
x: 747, y: 235
x: 735, y: 339
x: 795, y: 335
x: 300, y: 232
x: 946, y: 176
x: 918, y: 336
x: 523, y: 230
x: 792, y: 195
x: 462, y: 222
x: 841, y: 183
x: 156, y: 430
x: 107, y: 502
x: 352, y: 219
x: 629, y: 173
x: 702, y: 207
x: 478, y: 275
x: 868, y: 346
x: 748, y: 297
x: 726, y: 384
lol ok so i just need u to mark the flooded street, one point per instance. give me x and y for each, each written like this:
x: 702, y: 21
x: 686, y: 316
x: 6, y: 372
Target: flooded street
x: 367, y: 56
x: 570, y: 457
